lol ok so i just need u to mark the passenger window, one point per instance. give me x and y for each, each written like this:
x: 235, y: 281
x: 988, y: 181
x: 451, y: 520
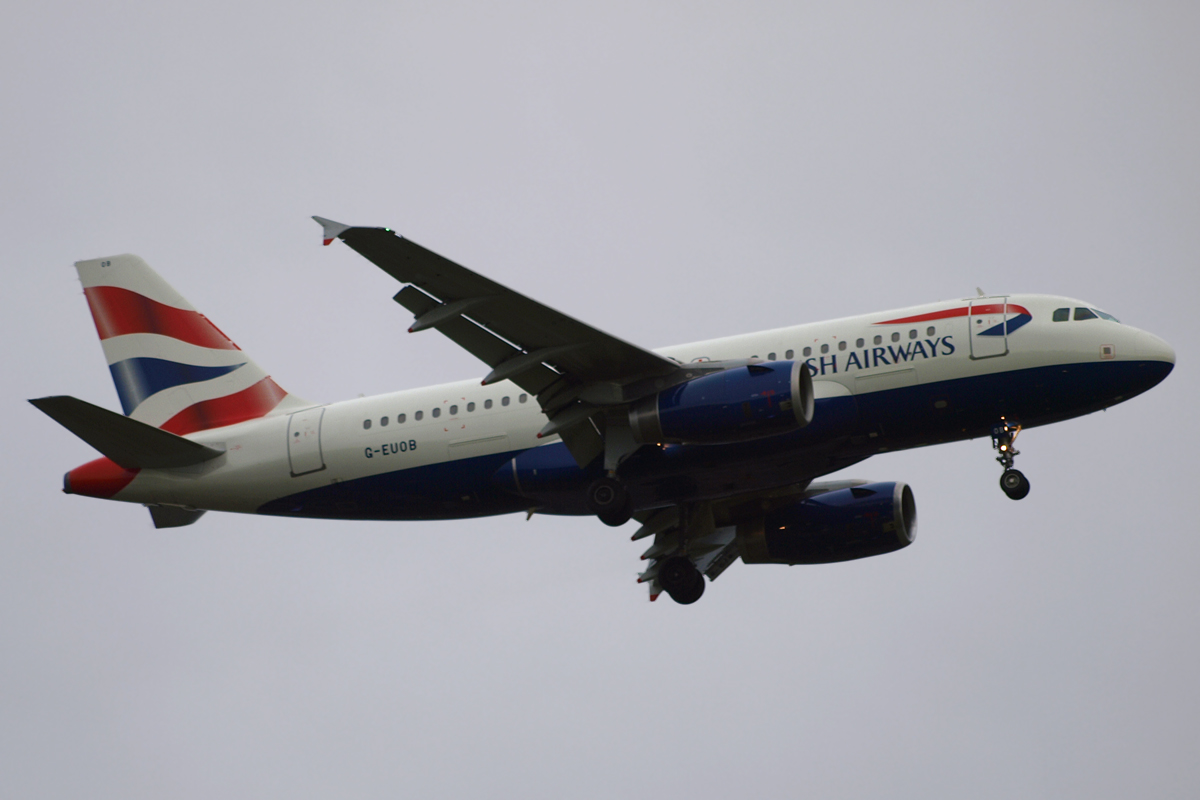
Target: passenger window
x: 419, y: 416
x: 366, y: 424
x: 807, y: 352
x: 842, y: 344
x: 824, y: 349
x: 770, y: 356
x: 789, y: 355
x: 896, y: 336
x: 930, y: 331
x: 859, y: 343
x: 912, y: 334
x: 878, y: 340
x: 470, y: 407
x: 504, y: 400
x: 454, y: 411
x: 383, y: 421
x: 400, y: 418
x: 437, y: 412
x: 487, y: 403
x: 1084, y: 313
x: 1061, y: 314
x: 522, y: 398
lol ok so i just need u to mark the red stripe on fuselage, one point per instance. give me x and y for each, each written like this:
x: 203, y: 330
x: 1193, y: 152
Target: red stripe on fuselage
x: 950, y: 313
x: 118, y: 312
x: 252, y: 403
x: 100, y: 478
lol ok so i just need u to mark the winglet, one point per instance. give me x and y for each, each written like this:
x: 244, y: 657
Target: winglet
x: 332, y: 229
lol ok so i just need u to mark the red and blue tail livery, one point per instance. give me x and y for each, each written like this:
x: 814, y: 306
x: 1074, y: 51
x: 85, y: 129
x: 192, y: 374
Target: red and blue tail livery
x: 172, y: 367
x: 718, y: 449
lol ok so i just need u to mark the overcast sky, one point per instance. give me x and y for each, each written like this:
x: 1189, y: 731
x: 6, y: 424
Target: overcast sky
x: 666, y: 172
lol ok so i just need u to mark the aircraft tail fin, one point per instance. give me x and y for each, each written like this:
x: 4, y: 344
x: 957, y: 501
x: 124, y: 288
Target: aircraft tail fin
x: 172, y: 367
x: 124, y: 441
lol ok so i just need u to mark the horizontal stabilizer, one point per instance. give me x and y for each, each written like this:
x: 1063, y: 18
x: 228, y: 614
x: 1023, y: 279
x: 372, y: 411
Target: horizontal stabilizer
x: 124, y: 440
x: 174, y: 516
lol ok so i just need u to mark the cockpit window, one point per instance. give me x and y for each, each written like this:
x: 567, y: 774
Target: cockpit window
x: 1084, y: 313
x: 1062, y: 314
x: 1105, y: 315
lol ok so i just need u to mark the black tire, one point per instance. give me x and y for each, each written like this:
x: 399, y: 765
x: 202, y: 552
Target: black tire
x: 616, y: 517
x: 677, y: 574
x: 606, y: 495
x: 692, y: 594
x: 1014, y: 484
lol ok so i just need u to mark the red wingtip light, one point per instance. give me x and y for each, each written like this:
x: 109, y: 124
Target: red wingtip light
x: 328, y: 242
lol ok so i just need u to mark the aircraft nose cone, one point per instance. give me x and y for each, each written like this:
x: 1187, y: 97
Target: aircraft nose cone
x: 1152, y: 348
x: 1156, y: 359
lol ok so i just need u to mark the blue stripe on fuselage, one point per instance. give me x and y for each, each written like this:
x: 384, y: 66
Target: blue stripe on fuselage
x: 1008, y: 326
x: 844, y: 430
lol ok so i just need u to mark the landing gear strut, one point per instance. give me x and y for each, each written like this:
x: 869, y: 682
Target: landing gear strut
x: 609, y: 500
x: 1013, y: 482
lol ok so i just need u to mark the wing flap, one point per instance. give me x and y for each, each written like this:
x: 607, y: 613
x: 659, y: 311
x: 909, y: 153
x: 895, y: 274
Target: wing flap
x: 709, y: 547
x: 489, y: 348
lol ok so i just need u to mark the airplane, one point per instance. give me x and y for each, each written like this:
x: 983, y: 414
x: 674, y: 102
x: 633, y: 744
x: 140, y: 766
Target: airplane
x: 714, y: 447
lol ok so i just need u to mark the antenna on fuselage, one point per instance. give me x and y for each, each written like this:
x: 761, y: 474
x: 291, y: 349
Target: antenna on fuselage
x: 980, y: 291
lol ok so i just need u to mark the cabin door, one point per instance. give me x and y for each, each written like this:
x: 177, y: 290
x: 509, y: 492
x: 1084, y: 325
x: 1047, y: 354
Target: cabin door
x: 988, y: 319
x: 304, y: 441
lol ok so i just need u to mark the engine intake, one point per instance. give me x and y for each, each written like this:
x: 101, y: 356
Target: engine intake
x: 735, y: 405
x: 842, y: 525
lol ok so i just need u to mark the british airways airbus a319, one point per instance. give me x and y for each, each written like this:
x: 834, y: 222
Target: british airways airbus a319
x: 713, y: 447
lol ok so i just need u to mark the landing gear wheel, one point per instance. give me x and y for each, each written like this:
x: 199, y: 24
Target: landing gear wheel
x: 693, y: 593
x: 679, y: 578
x: 1014, y: 484
x: 608, y: 499
x: 616, y: 517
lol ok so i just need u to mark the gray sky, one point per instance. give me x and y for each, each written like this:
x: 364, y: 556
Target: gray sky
x: 667, y: 172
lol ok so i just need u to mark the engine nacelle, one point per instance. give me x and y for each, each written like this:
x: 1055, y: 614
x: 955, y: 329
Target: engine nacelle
x: 836, y: 526
x: 735, y: 405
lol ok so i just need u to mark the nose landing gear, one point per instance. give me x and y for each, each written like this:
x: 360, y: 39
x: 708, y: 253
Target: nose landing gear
x: 1013, y: 482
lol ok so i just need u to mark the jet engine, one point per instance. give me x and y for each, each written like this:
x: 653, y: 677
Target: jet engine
x: 735, y: 405
x: 841, y: 525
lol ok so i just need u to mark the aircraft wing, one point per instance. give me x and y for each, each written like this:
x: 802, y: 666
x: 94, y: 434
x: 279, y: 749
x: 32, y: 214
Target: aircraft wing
x: 711, y: 544
x: 573, y: 369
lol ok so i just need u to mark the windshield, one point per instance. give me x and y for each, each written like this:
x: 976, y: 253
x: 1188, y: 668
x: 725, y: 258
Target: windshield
x: 1082, y: 313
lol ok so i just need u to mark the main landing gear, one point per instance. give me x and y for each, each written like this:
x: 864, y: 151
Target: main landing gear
x: 1013, y: 482
x: 679, y: 578
x: 609, y: 500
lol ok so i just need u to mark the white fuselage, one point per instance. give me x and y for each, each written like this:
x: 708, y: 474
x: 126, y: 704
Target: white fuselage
x: 293, y: 453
